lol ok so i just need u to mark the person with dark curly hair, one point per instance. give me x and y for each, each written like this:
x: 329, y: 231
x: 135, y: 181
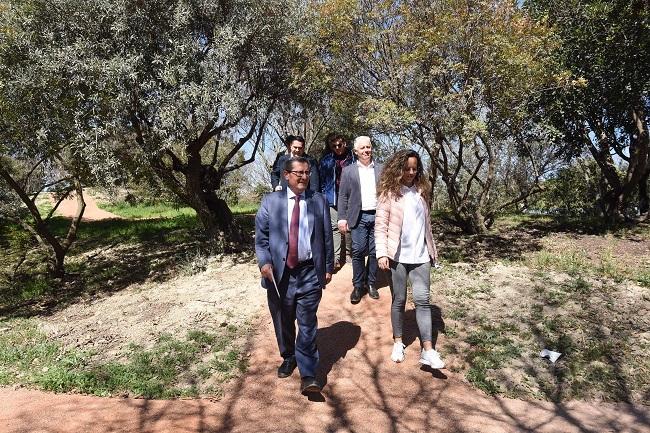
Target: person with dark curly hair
x: 404, y: 244
x: 336, y: 156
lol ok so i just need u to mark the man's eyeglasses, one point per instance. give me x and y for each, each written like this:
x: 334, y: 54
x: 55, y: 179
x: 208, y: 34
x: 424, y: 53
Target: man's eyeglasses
x: 337, y: 145
x: 300, y: 173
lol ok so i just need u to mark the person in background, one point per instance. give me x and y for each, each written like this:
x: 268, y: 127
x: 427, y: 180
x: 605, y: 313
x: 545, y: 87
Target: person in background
x: 356, y: 207
x: 336, y: 156
x: 293, y: 244
x: 404, y: 243
x: 295, y: 147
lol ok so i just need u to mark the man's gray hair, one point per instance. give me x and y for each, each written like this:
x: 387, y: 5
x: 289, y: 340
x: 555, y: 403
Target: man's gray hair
x: 361, y: 140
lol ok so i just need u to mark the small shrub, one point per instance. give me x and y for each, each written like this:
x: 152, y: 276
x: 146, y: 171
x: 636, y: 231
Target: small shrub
x: 193, y: 263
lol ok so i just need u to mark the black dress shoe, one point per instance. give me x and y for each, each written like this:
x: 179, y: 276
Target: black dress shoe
x: 356, y: 294
x: 287, y: 367
x: 372, y: 292
x: 309, y: 385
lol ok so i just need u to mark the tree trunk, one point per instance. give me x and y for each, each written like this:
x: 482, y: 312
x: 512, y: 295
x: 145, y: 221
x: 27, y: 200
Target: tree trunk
x: 216, y: 218
x: 644, y: 199
x: 57, y: 263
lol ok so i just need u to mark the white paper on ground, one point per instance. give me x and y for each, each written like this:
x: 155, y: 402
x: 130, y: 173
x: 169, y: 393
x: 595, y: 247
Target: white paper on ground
x: 552, y: 356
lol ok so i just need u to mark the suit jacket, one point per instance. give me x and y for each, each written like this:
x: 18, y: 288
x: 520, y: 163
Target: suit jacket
x: 272, y: 234
x: 349, y: 204
x: 278, y: 167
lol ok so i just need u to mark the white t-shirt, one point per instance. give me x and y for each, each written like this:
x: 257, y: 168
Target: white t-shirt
x: 413, y: 245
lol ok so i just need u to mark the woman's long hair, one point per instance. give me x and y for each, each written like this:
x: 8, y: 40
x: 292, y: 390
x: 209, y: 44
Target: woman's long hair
x: 391, y: 176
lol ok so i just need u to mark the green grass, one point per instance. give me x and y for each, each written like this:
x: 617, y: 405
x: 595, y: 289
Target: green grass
x: 244, y: 208
x: 142, y: 210
x: 643, y: 278
x: 496, y: 337
x: 576, y: 262
x: 570, y: 261
x: 172, y: 229
x: 166, y: 210
x: 173, y: 367
x: 491, y: 348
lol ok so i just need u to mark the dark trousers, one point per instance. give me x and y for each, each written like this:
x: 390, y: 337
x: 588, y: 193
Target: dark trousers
x: 363, y: 244
x: 300, y: 295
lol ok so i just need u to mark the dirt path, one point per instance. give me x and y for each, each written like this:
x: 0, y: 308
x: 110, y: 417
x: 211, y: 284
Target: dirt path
x: 365, y: 392
x: 68, y: 208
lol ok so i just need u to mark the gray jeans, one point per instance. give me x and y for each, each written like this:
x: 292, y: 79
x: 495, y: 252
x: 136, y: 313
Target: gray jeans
x: 419, y: 275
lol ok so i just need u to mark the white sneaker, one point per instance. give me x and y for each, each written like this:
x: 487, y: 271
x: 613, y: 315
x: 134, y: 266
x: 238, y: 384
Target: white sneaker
x: 398, y: 352
x: 431, y: 358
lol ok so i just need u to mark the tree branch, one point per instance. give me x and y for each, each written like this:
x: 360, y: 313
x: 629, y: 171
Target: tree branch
x: 47, y: 185
x: 63, y: 197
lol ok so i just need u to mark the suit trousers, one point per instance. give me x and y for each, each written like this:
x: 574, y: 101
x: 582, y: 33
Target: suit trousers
x: 363, y: 244
x: 300, y: 294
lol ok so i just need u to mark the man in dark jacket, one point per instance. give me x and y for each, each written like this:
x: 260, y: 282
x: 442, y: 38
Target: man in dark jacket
x: 337, y: 155
x: 295, y: 148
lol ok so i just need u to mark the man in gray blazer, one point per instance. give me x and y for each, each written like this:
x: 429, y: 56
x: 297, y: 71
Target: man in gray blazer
x: 295, y: 253
x: 356, y: 205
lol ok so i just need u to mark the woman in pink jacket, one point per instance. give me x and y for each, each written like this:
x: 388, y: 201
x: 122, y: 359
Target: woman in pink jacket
x: 404, y: 244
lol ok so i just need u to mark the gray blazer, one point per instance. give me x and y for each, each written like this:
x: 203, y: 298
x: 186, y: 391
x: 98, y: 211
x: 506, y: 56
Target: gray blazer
x: 349, y: 203
x: 272, y: 234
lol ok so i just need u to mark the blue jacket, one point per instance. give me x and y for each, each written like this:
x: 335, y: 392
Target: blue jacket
x: 272, y: 235
x: 327, y: 169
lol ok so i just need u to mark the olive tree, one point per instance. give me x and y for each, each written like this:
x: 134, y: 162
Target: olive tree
x: 199, y: 82
x: 51, y: 117
x: 455, y: 78
x: 605, y: 47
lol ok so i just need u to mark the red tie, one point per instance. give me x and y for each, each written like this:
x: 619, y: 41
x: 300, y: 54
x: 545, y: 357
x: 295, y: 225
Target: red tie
x: 292, y: 257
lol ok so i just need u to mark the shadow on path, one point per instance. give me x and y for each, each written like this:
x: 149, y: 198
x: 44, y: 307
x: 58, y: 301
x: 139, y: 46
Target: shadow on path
x: 334, y: 342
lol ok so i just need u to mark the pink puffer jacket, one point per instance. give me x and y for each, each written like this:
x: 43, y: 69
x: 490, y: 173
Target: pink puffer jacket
x: 388, y: 227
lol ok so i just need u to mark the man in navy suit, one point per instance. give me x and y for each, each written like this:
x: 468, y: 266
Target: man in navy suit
x: 295, y: 253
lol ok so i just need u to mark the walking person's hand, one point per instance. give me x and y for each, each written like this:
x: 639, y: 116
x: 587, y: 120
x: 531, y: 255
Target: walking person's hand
x: 267, y: 271
x: 343, y: 226
x: 382, y: 262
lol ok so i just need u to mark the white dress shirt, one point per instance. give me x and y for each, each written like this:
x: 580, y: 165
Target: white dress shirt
x: 368, y: 186
x: 304, y: 246
x: 413, y: 245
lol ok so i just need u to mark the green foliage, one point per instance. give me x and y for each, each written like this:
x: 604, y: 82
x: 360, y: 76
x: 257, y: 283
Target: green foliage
x: 29, y: 281
x: 604, y: 111
x: 453, y: 80
x: 573, y: 190
x: 166, y: 210
x: 572, y: 262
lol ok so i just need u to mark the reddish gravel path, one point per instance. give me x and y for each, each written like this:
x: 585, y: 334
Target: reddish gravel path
x: 68, y: 208
x: 365, y: 392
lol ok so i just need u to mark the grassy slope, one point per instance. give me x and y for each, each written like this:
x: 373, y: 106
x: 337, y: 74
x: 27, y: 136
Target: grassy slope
x: 534, y: 283
x: 196, y: 364
x: 578, y: 294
